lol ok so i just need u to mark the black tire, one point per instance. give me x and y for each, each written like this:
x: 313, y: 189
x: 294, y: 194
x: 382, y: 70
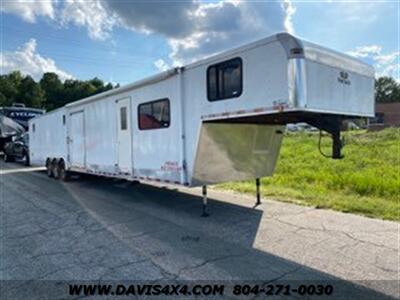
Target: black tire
x: 63, y: 173
x: 55, y: 170
x: 49, y: 169
x: 8, y: 158
x: 27, y: 161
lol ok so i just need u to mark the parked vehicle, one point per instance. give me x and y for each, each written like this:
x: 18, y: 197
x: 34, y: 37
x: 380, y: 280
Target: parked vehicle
x: 8, y: 129
x: 305, y: 127
x: 216, y: 120
x: 351, y: 126
x: 18, y: 148
x: 300, y: 127
x: 21, y: 114
x: 292, y: 127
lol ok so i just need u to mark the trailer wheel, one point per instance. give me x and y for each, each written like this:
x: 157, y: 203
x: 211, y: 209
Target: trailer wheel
x: 27, y: 160
x: 63, y: 173
x: 49, y: 170
x: 54, y: 169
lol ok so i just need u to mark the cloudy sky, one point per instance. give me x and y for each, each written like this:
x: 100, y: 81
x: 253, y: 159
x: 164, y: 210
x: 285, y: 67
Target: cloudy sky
x: 125, y: 40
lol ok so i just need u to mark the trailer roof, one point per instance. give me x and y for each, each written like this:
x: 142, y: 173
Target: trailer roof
x: 288, y: 41
x: 136, y: 84
x: 171, y: 72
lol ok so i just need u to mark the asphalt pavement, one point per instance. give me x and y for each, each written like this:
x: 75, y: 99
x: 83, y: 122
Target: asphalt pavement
x: 103, y: 229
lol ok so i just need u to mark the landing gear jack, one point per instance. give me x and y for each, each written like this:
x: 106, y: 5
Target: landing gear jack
x: 205, y: 213
x: 258, y: 202
x: 337, y: 144
x: 332, y: 126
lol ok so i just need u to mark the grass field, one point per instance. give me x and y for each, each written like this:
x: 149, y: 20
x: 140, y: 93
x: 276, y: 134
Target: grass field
x: 366, y: 181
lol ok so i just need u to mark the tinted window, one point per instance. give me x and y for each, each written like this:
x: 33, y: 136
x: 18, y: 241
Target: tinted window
x: 155, y: 114
x: 212, y: 83
x: 224, y: 80
x: 123, y: 118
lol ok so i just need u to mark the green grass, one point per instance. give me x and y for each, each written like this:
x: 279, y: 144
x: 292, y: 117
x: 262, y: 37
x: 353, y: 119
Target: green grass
x: 366, y: 181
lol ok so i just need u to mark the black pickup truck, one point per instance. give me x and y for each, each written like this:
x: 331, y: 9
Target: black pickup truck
x: 18, y: 148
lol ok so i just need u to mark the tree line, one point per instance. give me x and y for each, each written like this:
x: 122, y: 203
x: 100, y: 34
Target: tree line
x: 50, y: 92
x: 387, y: 90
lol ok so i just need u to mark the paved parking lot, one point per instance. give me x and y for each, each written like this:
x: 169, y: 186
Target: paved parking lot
x: 96, y: 228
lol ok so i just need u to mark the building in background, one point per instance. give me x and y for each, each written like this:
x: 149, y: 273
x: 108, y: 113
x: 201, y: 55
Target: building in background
x: 386, y: 115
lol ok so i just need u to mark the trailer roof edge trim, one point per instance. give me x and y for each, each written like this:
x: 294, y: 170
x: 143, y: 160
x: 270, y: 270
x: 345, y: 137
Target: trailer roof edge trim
x: 149, y: 80
x: 47, y: 113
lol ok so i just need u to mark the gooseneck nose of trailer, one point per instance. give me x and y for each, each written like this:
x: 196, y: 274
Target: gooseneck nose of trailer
x: 325, y: 87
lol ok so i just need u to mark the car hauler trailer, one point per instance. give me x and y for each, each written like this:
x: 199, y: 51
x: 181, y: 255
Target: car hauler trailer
x: 216, y: 120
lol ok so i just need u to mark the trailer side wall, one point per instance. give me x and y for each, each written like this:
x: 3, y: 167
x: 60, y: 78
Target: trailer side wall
x: 48, y: 137
x: 264, y: 82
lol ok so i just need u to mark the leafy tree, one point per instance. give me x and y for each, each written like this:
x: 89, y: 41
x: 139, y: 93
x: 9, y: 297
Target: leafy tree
x: 50, y: 93
x: 76, y: 89
x: 387, y: 90
x: 53, y: 89
x: 16, y: 77
x: 86, y: 89
x: 8, y: 90
x: 97, y: 83
x: 30, y: 93
x: 9, y: 87
x: 3, y: 100
x: 109, y: 86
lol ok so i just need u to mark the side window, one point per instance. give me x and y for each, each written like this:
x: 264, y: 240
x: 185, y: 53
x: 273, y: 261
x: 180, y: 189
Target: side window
x: 224, y: 80
x: 154, y: 115
x: 123, y: 116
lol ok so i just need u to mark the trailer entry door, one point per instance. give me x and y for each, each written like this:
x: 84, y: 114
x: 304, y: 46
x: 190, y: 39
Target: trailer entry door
x: 124, y: 141
x: 77, y: 140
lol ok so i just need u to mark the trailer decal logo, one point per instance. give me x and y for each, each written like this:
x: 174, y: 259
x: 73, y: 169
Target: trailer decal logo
x: 171, y: 166
x: 344, y: 78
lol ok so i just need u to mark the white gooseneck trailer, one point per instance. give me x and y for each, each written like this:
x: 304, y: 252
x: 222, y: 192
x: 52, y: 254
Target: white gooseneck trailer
x: 219, y: 119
